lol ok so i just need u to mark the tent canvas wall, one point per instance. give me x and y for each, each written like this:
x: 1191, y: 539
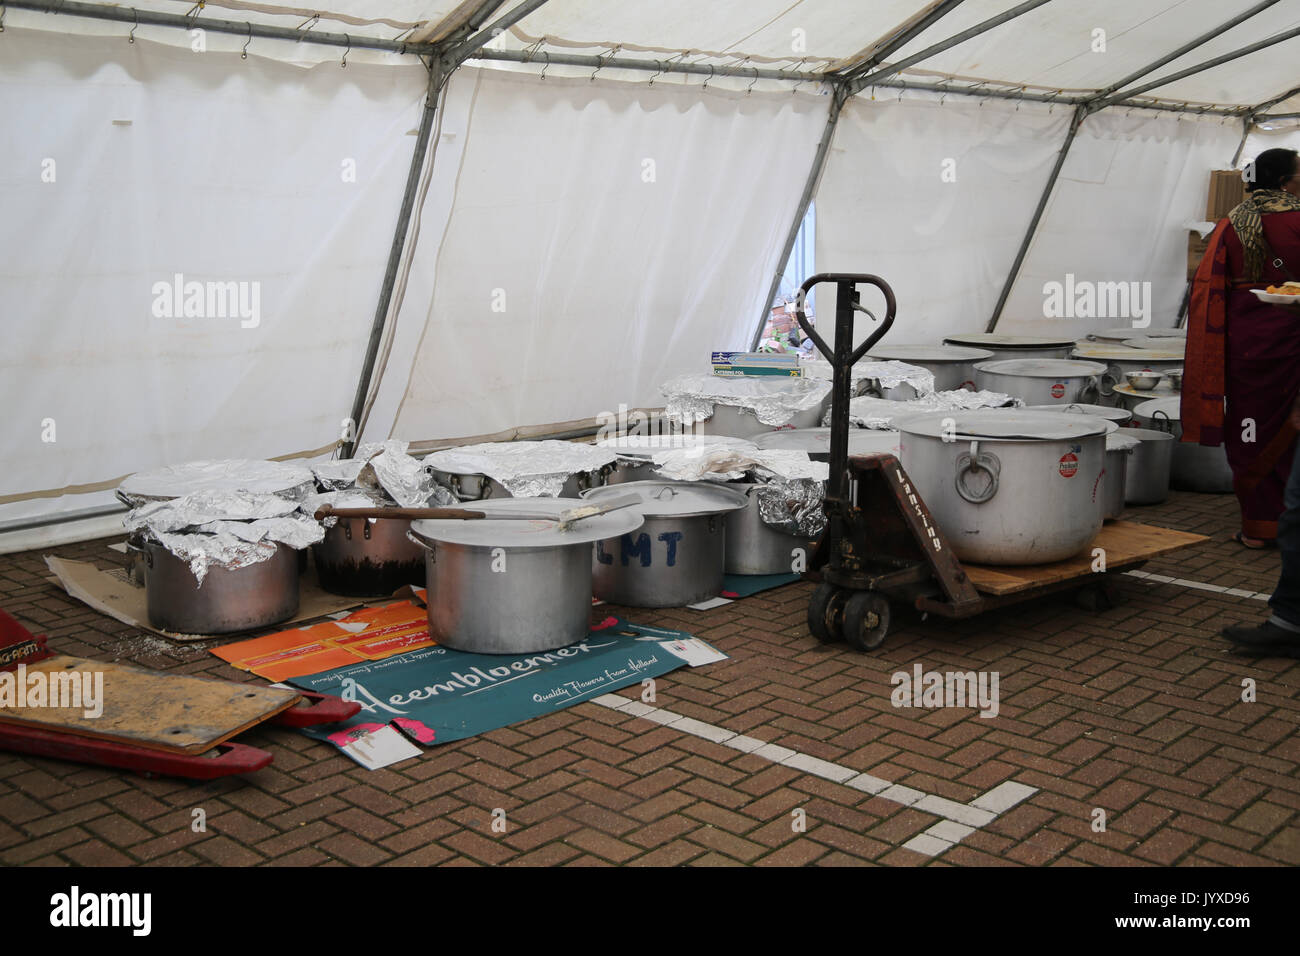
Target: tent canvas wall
x: 581, y: 229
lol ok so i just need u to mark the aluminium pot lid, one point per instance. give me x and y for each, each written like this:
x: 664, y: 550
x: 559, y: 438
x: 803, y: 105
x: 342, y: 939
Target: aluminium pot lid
x: 674, y: 499
x: 645, y: 446
x: 1120, y: 335
x: 1174, y: 347
x: 1041, y: 368
x: 1010, y: 424
x: 1081, y: 408
x: 929, y: 353
x: 995, y: 340
x: 234, y: 474
x: 526, y: 532
x: 817, y: 441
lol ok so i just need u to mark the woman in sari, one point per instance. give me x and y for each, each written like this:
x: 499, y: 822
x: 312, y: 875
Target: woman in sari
x: 1242, y: 370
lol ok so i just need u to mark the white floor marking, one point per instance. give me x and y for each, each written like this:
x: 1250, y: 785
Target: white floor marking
x: 959, y: 819
x: 1198, y: 585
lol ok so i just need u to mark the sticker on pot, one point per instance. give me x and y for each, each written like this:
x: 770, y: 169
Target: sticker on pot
x: 1068, y: 465
x: 1058, y: 390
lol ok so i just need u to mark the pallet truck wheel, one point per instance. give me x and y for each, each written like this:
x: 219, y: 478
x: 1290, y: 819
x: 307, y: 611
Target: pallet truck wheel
x: 866, y: 620
x: 826, y: 613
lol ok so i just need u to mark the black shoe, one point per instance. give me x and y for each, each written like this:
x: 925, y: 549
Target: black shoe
x: 1267, y: 634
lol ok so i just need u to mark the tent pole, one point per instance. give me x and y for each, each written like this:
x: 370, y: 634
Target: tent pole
x: 438, y: 75
x: 861, y: 82
x: 839, y: 96
x: 1100, y: 100
x: 1124, y: 97
x: 1246, y: 125
x: 1076, y: 121
x: 239, y: 28
x: 884, y: 46
x: 440, y: 70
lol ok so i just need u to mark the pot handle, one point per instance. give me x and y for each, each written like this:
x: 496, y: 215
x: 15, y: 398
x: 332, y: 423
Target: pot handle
x: 424, y: 545
x: 1109, y: 379
x: 143, y: 552
x: 1091, y: 393
x: 1157, y: 415
x: 972, y: 462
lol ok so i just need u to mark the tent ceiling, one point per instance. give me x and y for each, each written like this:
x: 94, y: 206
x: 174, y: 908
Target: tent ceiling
x: 1048, y: 48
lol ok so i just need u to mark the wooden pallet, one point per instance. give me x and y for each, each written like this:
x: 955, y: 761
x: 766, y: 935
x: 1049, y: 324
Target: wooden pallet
x: 174, y: 713
x: 1126, y: 544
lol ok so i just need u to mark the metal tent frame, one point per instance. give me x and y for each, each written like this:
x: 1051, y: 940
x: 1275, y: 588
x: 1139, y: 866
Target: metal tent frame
x: 463, y: 38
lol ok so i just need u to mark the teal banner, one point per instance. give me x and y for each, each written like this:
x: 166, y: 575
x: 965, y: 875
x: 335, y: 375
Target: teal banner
x: 436, y: 694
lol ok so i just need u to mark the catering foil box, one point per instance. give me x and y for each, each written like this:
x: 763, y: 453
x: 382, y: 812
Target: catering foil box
x: 756, y: 363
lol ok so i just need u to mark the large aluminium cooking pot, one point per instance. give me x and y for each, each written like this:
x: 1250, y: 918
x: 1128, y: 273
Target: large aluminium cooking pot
x: 738, y: 422
x: 1195, y: 467
x: 501, y: 586
x: 1014, y: 346
x: 1006, y: 486
x: 473, y: 486
x: 363, y: 558
x: 1041, y: 381
x: 229, y: 599
x: 1146, y: 479
x: 953, y: 366
x: 755, y: 547
x: 817, y: 441
x: 636, y: 452
x: 678, y: 556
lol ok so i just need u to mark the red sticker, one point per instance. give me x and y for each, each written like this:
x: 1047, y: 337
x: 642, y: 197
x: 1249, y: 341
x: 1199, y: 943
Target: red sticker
x: 1069, y: 464
x: 1058, y: 390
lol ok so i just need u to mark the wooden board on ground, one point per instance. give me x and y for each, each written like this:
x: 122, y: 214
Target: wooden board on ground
x: 175, y: 713
x: 1125, y: 543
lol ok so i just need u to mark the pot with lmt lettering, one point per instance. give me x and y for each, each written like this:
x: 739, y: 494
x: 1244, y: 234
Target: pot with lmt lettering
x: 678, y: 556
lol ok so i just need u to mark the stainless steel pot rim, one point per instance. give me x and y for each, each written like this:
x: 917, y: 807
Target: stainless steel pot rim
x: 955, y: 354
x: 1000, y: 341
x: 675, y: 499
x: 1041, y: 368
x: 1082, y: 408
x: 526, y: 532
x: 1003, y: 425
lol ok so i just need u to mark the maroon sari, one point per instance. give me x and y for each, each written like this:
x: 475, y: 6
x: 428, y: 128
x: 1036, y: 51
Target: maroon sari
x: 1257, y: 347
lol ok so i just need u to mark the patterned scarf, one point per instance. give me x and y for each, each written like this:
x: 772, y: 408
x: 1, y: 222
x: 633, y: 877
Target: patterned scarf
x: 1246, y: 220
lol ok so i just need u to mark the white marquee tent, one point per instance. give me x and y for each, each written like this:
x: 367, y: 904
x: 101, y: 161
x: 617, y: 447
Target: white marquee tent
x: 450, y: 219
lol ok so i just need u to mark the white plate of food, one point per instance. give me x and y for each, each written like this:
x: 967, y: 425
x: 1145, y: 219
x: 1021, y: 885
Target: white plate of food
x: 1288, y: 293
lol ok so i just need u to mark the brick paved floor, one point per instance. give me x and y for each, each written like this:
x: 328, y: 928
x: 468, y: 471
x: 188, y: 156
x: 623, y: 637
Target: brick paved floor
x: 1136, y: 711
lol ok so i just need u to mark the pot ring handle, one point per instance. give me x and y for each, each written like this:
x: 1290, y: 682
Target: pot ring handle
x: 1157, y: 415
x: 1109, y: 379
x: 972, y: 463
x: 1092, y: 392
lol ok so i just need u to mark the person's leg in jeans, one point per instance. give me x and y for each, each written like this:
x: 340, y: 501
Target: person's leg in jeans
x: 1280, y: 634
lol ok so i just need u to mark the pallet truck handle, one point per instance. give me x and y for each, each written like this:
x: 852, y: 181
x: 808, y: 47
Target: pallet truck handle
x: 845, y: 277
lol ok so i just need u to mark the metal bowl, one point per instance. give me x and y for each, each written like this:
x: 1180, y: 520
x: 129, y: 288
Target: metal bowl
x: 1144, y: 381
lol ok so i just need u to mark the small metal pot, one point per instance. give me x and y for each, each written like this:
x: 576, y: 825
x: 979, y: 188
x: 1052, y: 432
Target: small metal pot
x: 678, y: 556
x: 1200, y: 468
x: 229, y: 600
x: 755, y: 547
x: 362, y: 558
x: 1147, y: 472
